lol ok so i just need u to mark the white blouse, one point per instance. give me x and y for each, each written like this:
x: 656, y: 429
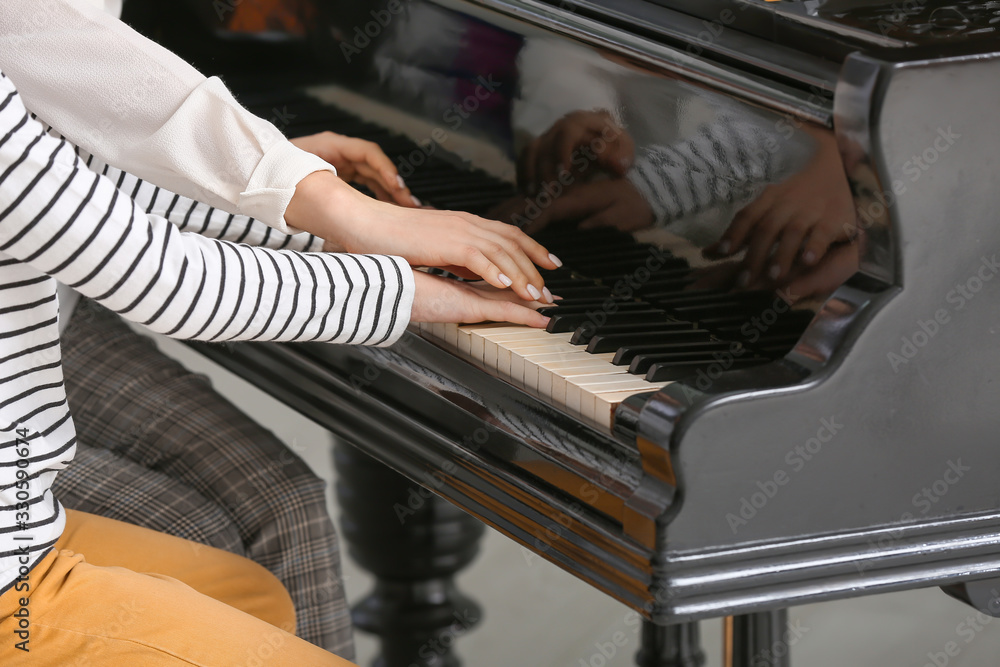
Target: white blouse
x: 136, y: 105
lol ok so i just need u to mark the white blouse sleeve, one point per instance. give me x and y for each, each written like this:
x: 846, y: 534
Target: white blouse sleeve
x: 136, y: 105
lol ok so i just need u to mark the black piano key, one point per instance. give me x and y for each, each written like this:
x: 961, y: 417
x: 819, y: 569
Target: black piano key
x: 625, y: 355
x: 669, y: 371
x: 642, y: 362
x: 566, y: 323
x: 584, y: 291
x: 621, y: 307
x: 706, y: 297
x: 676, y: 332
x: 585, y: 333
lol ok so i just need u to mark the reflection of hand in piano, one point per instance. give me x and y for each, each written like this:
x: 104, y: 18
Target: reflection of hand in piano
x: 577, y: 147
x: 795, y: 221
x: 603, y: 203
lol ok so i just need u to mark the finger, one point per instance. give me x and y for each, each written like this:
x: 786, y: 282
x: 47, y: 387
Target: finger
x: 472, y: 258
x: 576, y: 204
x: 394, y: 193
x: 508, y: 256
x: 759, y: 248
x: 569, y: 140
x: 740, y: 228
x: 515, y: 313
x: 361, y: 151
x: 817, y: 245
x: 788, y: 249
x: 621, y: 153
x: 460, y: 271
x: 535, y: 251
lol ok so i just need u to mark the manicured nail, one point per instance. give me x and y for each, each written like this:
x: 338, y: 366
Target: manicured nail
x: 505, y: 280
x: 555, y: 260
x: 415, y: 200
x: 535, y: 294
x: 809, y: 257
x: 774, y: 271
x: 724, y: 247
x: 401, y: 182
x: 556, y: 297
x: 547, y: 294
x: 743, y: 279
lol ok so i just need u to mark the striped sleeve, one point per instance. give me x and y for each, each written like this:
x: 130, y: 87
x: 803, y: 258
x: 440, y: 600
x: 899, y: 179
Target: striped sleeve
x: 76, y: 226
x: 192, y: 216
x: 725, y: 162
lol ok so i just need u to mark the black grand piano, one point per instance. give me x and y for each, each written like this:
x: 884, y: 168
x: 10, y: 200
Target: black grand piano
x: 694, y: 438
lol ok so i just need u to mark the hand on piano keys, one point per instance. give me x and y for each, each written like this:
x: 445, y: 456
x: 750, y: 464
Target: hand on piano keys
x: 350, y: 221
x: 442, y: 300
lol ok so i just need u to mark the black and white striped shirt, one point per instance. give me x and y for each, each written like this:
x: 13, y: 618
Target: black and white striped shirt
x: 60, y: 220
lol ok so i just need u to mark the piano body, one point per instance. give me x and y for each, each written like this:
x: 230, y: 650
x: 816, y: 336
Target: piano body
x: 768, y: 456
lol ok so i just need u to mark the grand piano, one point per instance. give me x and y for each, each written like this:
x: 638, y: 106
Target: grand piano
x: 693, y: 437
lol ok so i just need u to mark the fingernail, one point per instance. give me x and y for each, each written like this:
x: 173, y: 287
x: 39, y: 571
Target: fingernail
x: 401, y: 182
x: 547, y: 294
x: 535, y: 294
x: 774, y: 271
x: 724, y: 247
x: 556, y: 297
x: 505, y: 280
x: 555, y: 260
x: 743, y: 279
x: 808, y: 257
x: 416, y: 201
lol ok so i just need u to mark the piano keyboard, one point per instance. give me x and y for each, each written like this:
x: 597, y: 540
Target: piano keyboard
x: 603, y: 343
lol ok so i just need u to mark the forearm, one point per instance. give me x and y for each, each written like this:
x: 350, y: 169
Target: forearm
x: 724, y: 162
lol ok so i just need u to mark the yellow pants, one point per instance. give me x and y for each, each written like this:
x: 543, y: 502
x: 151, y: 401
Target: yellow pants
x: 111, y: 593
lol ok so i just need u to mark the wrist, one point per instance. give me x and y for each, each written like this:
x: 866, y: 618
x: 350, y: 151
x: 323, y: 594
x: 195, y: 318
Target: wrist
x: 320, y: 205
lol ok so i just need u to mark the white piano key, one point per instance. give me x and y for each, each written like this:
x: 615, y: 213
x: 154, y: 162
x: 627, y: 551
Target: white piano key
x: 526, y: 358
x: 464, y: 342
x: 563, y: 373
x: 577, y: 386
x: 602, y: 410
x: 451, y: 335
x: 493, y: 338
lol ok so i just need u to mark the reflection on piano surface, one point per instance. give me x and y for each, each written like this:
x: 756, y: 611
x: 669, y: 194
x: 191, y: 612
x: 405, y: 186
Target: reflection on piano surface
x: 731, y: 187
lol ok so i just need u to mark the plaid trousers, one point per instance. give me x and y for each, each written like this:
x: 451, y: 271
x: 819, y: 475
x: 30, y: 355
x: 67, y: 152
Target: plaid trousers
x: 159, y: 448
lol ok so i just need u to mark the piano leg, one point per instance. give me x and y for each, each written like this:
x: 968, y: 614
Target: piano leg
x: 757, y: 640
x: 670, y: 646
x: 414, y: 543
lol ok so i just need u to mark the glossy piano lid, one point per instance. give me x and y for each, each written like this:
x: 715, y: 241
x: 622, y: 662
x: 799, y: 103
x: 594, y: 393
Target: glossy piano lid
x: 590, y: 136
